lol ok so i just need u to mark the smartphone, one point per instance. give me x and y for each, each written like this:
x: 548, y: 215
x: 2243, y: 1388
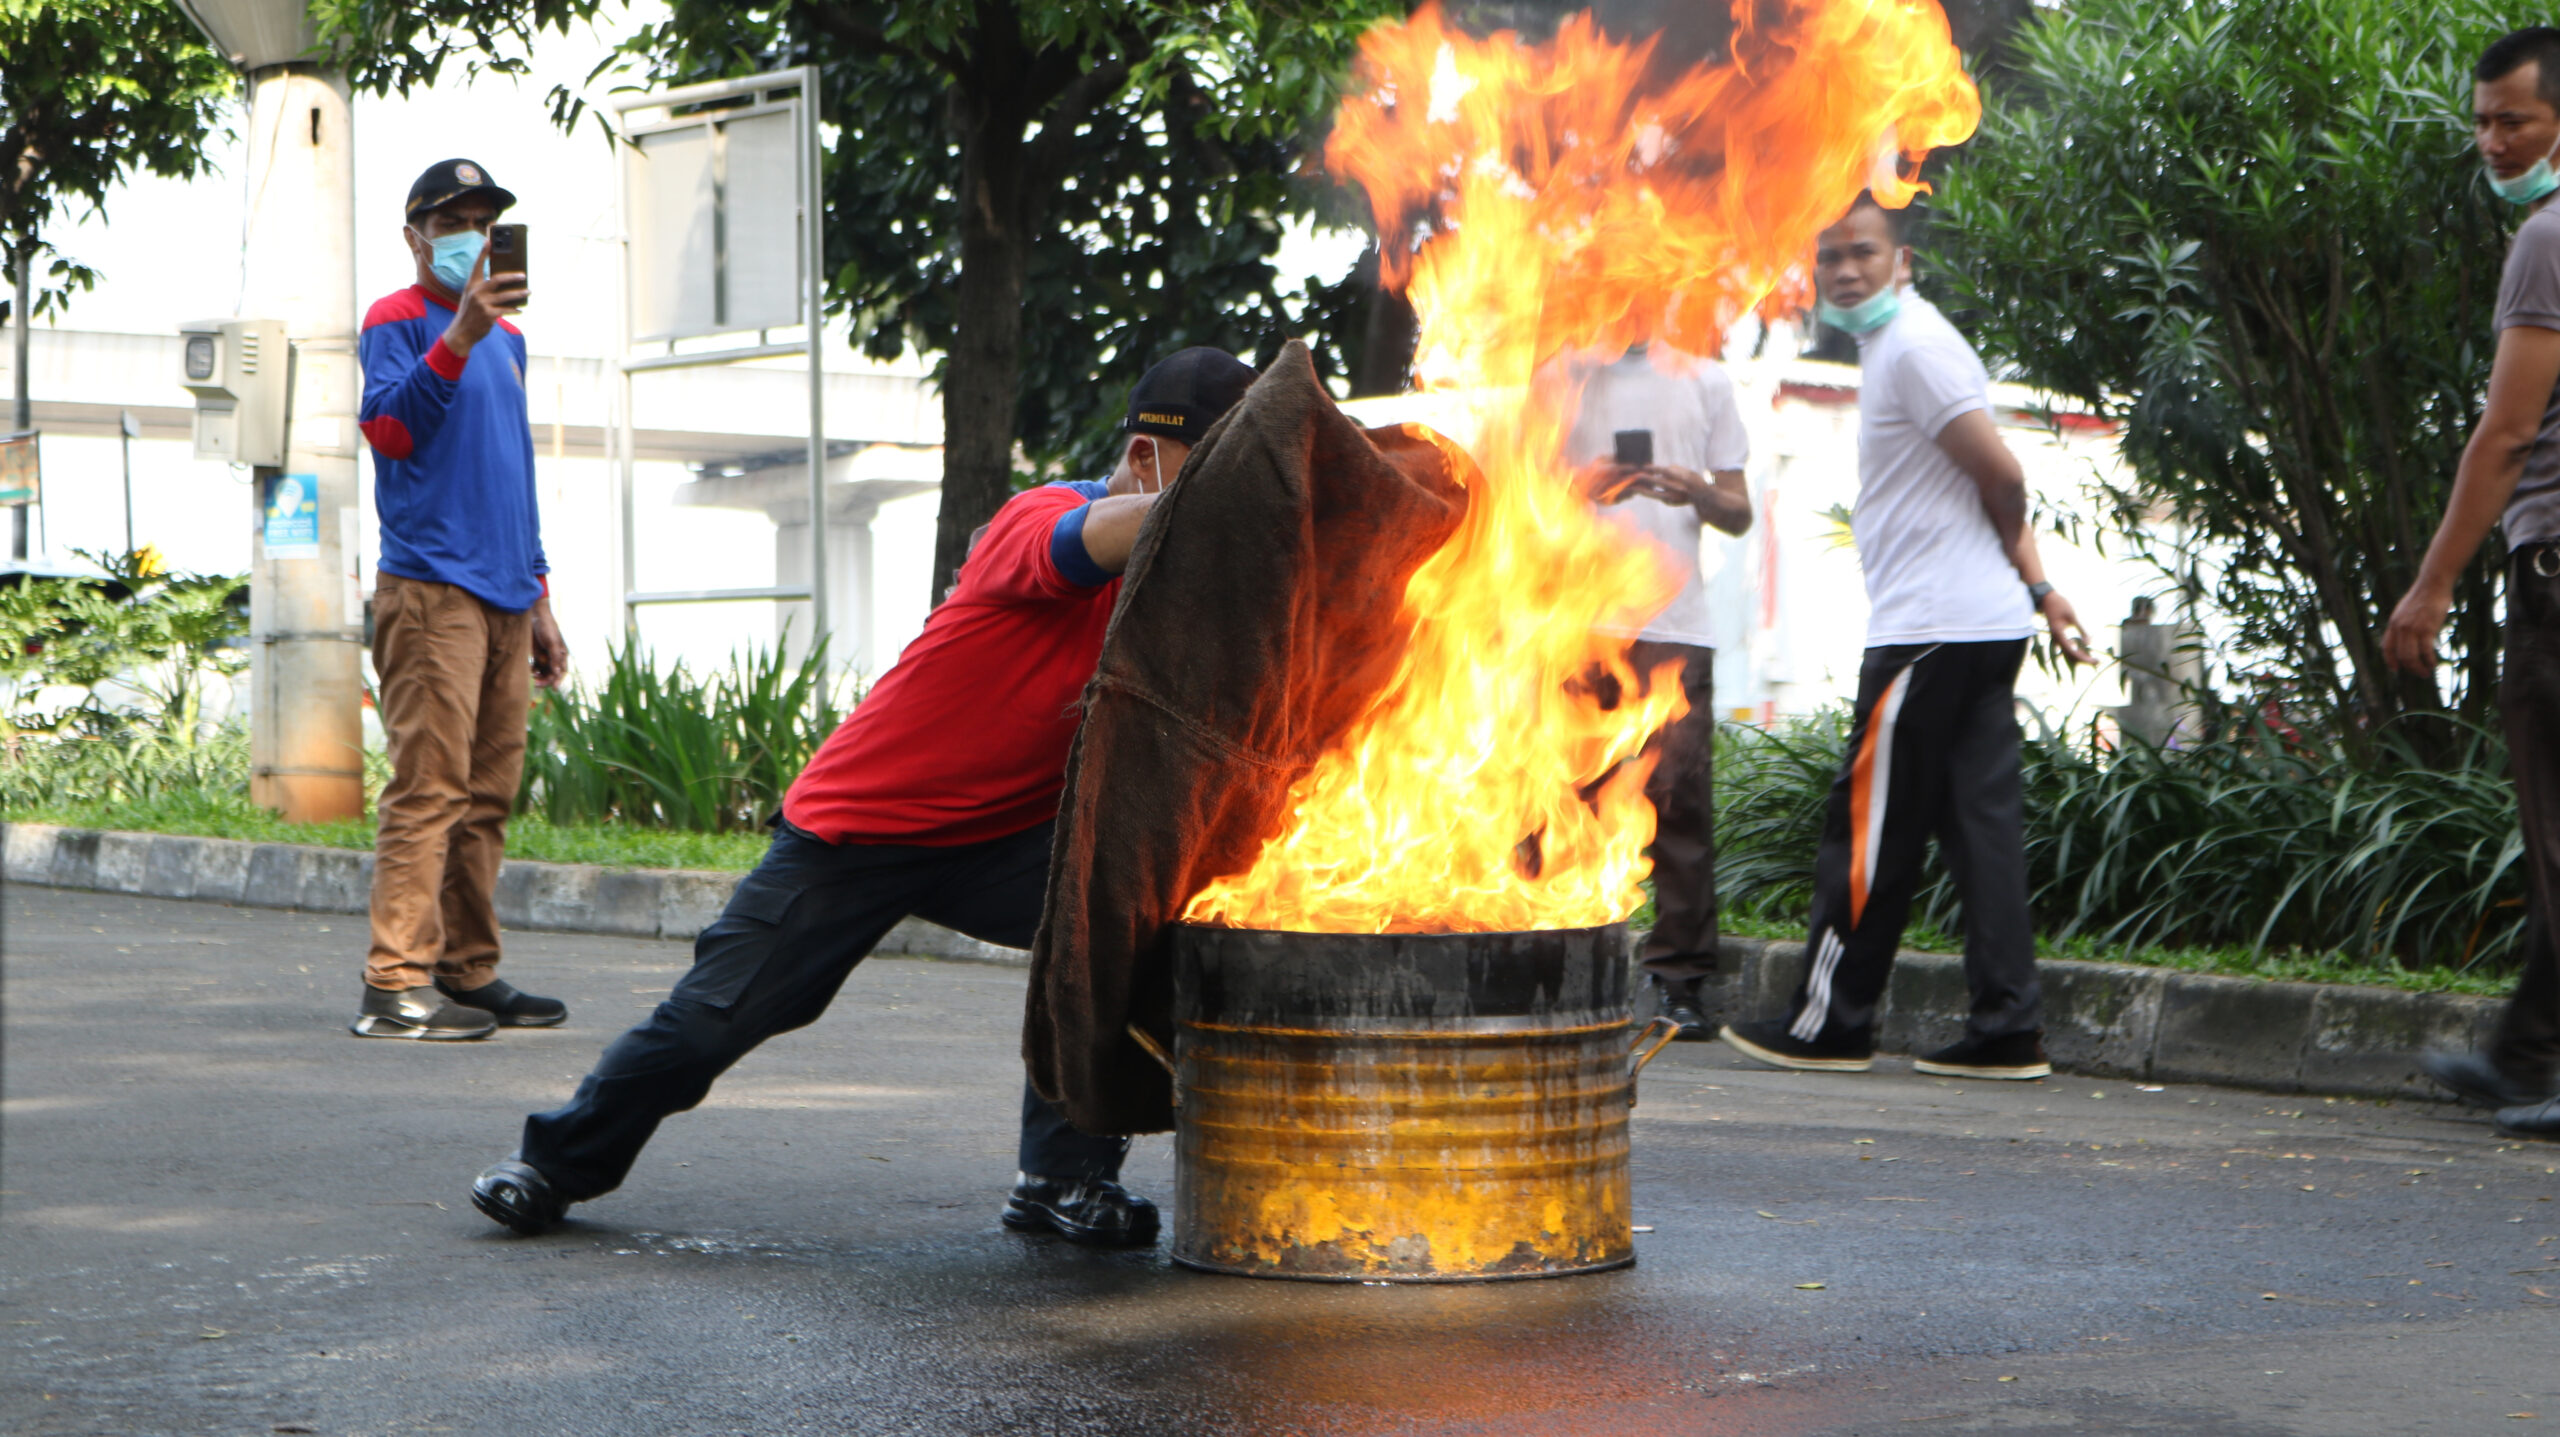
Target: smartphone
x: 1635, y: 448
x: 506, y: 249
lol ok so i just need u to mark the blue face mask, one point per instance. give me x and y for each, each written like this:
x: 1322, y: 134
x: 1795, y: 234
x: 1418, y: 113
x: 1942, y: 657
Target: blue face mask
x: 451, y: 257
x: 2525, y: 188
x: 1871, y: 313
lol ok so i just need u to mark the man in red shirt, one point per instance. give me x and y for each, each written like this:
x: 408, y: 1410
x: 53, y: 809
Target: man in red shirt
x: 935, y: 799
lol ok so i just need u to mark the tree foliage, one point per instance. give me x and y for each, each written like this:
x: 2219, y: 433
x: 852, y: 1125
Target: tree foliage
x: 2255, y: 232
x: 1049, y: 196
x: 90, y: 92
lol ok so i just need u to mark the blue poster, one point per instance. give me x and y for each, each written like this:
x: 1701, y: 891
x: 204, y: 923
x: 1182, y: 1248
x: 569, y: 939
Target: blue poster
x: 292, y: 510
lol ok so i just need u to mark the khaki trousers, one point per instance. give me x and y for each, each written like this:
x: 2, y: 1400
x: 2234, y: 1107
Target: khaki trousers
x: 456, y: 681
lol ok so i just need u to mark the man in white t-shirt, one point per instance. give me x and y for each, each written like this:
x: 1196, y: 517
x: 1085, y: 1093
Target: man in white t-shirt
x: 1956, y: 588
x: 1659, y: 446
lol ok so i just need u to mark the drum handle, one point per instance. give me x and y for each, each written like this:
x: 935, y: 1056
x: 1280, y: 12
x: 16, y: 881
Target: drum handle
x: 1657, y: 1035
x: 1155, y: 1050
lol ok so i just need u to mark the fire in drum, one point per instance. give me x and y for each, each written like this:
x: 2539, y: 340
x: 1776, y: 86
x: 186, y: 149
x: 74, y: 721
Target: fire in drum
x: 1402, y: 1044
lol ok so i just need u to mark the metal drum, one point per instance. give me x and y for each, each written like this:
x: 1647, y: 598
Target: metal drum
x: 1403, y: 1107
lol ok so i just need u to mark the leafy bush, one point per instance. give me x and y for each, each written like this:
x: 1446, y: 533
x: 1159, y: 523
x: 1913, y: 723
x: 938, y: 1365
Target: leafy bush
x: 136, y: 647
x: 666, y: 749
x: 2250, y: 839
x: 2255, y: 232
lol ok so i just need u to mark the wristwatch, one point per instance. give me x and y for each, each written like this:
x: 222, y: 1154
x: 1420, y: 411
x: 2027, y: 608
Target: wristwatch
x: 2036, y: 592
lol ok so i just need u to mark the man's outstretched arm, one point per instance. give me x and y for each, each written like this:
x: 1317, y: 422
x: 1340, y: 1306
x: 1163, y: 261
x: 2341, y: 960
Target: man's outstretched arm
x: 2521, y: 379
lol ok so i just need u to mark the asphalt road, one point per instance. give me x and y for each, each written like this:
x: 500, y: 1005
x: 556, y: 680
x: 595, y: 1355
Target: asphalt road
x: 221, y: 1214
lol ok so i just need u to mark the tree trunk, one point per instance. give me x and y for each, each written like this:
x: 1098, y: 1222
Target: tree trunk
x: 983, y: 372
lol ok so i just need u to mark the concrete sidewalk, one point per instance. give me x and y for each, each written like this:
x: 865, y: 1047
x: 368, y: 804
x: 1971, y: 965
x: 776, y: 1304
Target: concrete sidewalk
x: 220, y: 1214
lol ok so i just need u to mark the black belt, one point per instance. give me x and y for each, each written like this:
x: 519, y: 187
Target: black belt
x: 2541, y: 559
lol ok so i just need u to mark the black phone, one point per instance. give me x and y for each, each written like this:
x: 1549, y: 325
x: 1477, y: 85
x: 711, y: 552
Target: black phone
x: 506, y: 249
x: 1635, y: 448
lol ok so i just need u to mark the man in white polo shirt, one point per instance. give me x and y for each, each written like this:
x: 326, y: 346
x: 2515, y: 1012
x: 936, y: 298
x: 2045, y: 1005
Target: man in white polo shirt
x: 1955, y: 588
x: 1659, y: 445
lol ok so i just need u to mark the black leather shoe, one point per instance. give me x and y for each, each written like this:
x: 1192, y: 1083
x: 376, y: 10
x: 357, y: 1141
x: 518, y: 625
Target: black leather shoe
x: 2531, y: 1120
x: 1092, y: 1211
x: 515, y: 1196
x: 2481, y: 1083
x: 512, y: 1009
x: 1677, y: 1000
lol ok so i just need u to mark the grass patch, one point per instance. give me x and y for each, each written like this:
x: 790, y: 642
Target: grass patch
x: 227, y: 815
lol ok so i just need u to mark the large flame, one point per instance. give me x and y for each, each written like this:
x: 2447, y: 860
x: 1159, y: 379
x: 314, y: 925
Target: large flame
x: 1542, y: 203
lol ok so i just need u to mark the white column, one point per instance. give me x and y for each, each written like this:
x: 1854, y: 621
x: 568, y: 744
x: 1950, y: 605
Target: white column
x: 851, y: 640
x: 306, y: 617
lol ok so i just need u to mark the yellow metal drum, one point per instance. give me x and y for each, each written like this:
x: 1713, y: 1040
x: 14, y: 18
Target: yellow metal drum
x: 1403, y: 1107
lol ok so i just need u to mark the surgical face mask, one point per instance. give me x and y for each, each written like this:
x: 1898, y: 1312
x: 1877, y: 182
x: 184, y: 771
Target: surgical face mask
x: 451, y: 256
x: 2525, y: 188
x: 1871, y: 313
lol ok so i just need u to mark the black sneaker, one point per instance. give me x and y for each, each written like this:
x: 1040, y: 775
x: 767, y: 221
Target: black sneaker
x: 2481, y: 1083
x: 1677, y: 1000
x: 2011, y: 1055
x: 1771, y: 1043
x: 419, y: 1012
x: 1093, y: 1211
x: 516, y: 1196
x: 513, y: 1009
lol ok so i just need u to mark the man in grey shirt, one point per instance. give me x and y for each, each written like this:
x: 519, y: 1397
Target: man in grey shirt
x: 2510, y: 476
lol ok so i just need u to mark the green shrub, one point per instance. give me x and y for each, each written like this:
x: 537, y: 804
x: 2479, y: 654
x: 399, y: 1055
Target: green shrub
x: 136, y: 647
x: 663, y: 748
x: 2247, y: 840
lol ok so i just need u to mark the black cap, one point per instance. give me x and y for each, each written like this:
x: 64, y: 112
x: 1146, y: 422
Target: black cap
x: 448, y: 180
x: 1186, y: 393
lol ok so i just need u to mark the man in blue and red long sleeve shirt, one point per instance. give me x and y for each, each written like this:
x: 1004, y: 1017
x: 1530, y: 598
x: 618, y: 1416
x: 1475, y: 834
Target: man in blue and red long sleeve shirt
x: 462, y: 617
x: 936, y: 798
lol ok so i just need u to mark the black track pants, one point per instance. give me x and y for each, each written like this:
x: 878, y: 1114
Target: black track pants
x: 771, y: 962
x: 1933, y: 752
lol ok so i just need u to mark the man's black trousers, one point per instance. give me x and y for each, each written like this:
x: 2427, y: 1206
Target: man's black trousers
x: 1682, y: 788
x: 2527, y: 1045
x: 1933, y: 751
x: 772, y: 962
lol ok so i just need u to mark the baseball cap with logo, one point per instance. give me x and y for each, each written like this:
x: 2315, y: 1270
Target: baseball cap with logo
x: 449, y: 180
x: 1187, y: 392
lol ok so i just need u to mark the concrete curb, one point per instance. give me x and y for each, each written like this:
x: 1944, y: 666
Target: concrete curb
x: 558, y: 897
x: 2110, y: 1019
x: 2155, y: 1024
